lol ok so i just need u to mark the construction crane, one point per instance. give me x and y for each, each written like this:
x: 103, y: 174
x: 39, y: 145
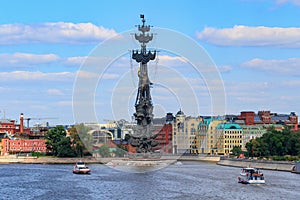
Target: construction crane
x: 31, y: 118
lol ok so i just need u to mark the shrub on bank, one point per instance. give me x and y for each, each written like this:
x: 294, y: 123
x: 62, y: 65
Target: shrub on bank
x: 38, y: 154
x: 285, y: 158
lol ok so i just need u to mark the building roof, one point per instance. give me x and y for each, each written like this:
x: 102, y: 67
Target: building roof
x: 228, y: 126
x: 159, y: 121
x: 180, y: 112
x: 7, y: 121
x: 207, y: 120
x: 257, y: 119
x: 280, y: 118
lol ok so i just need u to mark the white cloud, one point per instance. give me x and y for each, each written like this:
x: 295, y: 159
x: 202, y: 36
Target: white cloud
x: 29, y: 76
x: 291, y: 83
x: 295, y: 2
x: 286, y: 98
x: 255, y: 87
x: 54, y: 92
x: 5, y: 89
x: 91, y: 75
x: 77, y: 61
x: 225, y: 68
x: 171, y: 60
x: 250, y: 95
x: 65, y: 103
x: 38, y: 107
x: 58, y: 32
x: 251, y: 99
x: 26, y: 59
x: 290, y: 66
x: 110, y: 76
x: 252, y: 36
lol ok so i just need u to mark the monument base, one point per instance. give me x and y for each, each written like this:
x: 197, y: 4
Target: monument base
x: 140, y: 164
x: 145, y: 156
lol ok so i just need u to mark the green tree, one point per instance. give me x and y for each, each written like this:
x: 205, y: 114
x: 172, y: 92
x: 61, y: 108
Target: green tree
x: 58, y: 144
x: 127, y: 137
x: 236, y: 150
x: 275, y: 143
x: 65, y: 149
x: 53, y: 137
x: 81, y: 139
x: 85, y: 136
x: 253, y: 148
x: 104, y: 151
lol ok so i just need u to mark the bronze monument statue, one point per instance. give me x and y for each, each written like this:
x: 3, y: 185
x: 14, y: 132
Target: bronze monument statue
x: 143, y: 138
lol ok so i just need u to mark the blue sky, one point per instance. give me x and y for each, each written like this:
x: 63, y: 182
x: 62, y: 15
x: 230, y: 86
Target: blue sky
x: 253, y: 43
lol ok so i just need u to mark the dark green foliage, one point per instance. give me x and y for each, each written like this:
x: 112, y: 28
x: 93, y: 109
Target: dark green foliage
x: 81, y: 140
x: 275, y: 143
x: 53, y: 137
x: 104, y: 151
x: 65, y: 149
x: 58, y: 144
x: 37, y: 154
x: 237, y: 150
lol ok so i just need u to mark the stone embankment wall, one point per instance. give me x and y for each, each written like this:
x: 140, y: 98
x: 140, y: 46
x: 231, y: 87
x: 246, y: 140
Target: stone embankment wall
x: 52, y: 160
x: 199, y: 158
x: 43, y: 160
x: 269, y: 165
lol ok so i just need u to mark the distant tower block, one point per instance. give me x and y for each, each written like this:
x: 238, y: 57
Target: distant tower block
x: 143, y: 139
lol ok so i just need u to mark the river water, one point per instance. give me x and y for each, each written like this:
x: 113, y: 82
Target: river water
x: 186, y: 180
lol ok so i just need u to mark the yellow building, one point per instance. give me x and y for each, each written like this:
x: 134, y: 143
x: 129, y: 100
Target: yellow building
x: 207, y: 137
x: 184, y: 133
x: 228, y: 136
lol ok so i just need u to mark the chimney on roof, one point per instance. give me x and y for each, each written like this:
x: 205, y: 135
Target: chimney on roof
x: 21, y: 123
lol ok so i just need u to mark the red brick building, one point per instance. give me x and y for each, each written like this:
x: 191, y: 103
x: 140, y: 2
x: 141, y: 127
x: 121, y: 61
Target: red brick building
x: 10, y: 127
x: 22, y: 146
x: 293, y: 120
x: 13, y: 142
x: 265, y: 116
x: 248, y: 117
x: 164, y: 139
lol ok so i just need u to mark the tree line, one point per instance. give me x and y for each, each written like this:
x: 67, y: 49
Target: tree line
x: 76, y: 143
x: 276, y: 144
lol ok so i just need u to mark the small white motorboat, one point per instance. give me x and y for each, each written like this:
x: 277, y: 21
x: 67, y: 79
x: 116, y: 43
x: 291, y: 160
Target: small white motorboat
x: 251, y: 175
x: 81, y: 168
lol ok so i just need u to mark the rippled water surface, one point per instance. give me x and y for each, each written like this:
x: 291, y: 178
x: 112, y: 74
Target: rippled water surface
x: 189, y: 180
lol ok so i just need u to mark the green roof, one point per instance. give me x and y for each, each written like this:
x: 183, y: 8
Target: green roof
x: 228, y: 126
x: 206, y: 121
